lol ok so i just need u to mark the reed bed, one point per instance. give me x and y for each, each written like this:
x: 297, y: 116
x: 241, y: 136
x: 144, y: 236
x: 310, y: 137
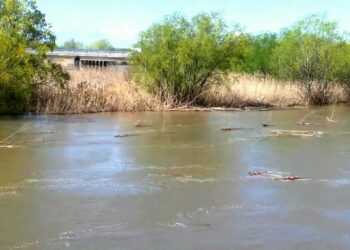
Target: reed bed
x: 110, y: 90
x: 96, y: 91
x: 242, y: 91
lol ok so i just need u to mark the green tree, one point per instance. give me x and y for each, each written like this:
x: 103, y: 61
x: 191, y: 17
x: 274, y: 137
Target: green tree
x: 314, y: 53
x: 15, y: 74
x: 72, y: 44
x: 25, y: 37
x: 102, y: 44
x: 179, y: 59
x: 259, y: 56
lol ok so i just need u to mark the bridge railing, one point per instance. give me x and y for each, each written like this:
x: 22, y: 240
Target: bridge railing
x: 119, y: 52
x: 91, y: 51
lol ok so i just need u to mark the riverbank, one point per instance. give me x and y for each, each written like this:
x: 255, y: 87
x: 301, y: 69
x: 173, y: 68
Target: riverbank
x: 91, y: 91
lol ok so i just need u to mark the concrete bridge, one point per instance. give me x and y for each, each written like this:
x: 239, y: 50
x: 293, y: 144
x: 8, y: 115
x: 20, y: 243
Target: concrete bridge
x: 79, y: 58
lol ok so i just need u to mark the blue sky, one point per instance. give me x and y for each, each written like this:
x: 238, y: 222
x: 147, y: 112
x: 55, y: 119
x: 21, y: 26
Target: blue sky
x: 121, y: 21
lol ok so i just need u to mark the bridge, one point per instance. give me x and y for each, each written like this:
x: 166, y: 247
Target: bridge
x: 80, y: 58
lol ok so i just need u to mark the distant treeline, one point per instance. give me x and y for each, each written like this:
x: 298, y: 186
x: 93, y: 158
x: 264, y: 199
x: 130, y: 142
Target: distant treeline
x: 102, y: 44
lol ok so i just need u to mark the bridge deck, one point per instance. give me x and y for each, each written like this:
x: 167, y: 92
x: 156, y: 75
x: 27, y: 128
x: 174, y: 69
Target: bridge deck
x: 92, y: 58
x: 91, y: 54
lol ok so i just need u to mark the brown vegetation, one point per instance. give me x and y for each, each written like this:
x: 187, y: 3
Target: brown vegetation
x: 93, y: 90
x: 243, y: 91
x: 97, y: 91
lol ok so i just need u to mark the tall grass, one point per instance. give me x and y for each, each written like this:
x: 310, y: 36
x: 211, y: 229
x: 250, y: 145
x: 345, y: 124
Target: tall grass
x: 246, y: 90
x: 96, y: 91
x: 110, y: 90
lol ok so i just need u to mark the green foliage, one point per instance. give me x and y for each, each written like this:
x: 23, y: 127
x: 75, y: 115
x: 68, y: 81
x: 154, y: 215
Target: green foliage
x: 314, y: 53
x: 72, y: 44
x: 259, y: 55
x: 180, y: 58
x: 22, y: 20
x: 15, y: 74
x: 25, y: 37
x: 102, y: 44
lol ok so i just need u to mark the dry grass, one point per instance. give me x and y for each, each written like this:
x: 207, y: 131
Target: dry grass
x: 242, y: 91
x: 339, y: 94
x: 97, y: 91
x: 110, y: 90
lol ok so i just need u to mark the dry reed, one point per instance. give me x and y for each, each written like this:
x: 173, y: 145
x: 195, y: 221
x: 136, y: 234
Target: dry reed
x: 245, y: 90
x: 96, y: 91
x: 111, y: 90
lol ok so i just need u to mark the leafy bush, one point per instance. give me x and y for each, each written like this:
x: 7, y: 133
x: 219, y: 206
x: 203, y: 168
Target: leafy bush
x: 179, y: 59
x: 259, y: 54
x: 314, y: 53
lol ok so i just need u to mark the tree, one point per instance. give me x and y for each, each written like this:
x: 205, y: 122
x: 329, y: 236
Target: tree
x: 180, y: 58
x: 312, y: 52
x: 72, y: 44
x: 102, y: 44
x: 15, y: 74
x: 25, y: 37
x: 259, y: 56
x: 22, y: 20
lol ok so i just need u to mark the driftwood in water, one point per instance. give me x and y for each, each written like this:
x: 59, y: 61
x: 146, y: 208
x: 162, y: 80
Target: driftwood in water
x: 301, y: 133
x: 267, y: 125
x: 274, y: 176
x: 230, y: 129
x: 125, y: 135
x: 304, y: 123
x: 330, y: 119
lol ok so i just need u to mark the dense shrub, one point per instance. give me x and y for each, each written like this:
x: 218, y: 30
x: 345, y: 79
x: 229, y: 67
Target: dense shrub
x: 179, y: 59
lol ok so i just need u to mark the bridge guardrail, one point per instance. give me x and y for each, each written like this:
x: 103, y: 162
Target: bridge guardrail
x: 89, y: 51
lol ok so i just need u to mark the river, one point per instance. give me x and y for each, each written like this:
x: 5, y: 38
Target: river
x: 176, y: 180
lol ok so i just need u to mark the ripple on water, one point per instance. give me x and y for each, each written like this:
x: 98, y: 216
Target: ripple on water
x: 100, y: 186
x: 8, y: 194
x: 9, y: 146
x: 64, y: 239
x: 172, y: 225
x: 188, y: 179
x: 178, y: 178
x: 8, y: 191
x: 339, y: 182
x: 339, y: 214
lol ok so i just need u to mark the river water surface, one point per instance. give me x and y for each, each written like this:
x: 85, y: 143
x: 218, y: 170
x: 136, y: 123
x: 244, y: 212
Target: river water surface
x: 176, y: 181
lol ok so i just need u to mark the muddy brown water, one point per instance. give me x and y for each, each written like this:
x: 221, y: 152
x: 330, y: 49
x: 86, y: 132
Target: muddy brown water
x: 70, y: 182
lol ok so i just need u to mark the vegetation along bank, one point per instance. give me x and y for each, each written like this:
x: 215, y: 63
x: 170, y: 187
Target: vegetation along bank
x: 179, y: 62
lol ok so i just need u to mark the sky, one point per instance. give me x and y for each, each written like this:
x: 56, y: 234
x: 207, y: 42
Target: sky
x: 121, y: 21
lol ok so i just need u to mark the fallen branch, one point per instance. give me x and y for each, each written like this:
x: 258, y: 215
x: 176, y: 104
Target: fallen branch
x: 300, y: 133
x: 274, y: 176
x: 331, y: 118
x: 302, y: 121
